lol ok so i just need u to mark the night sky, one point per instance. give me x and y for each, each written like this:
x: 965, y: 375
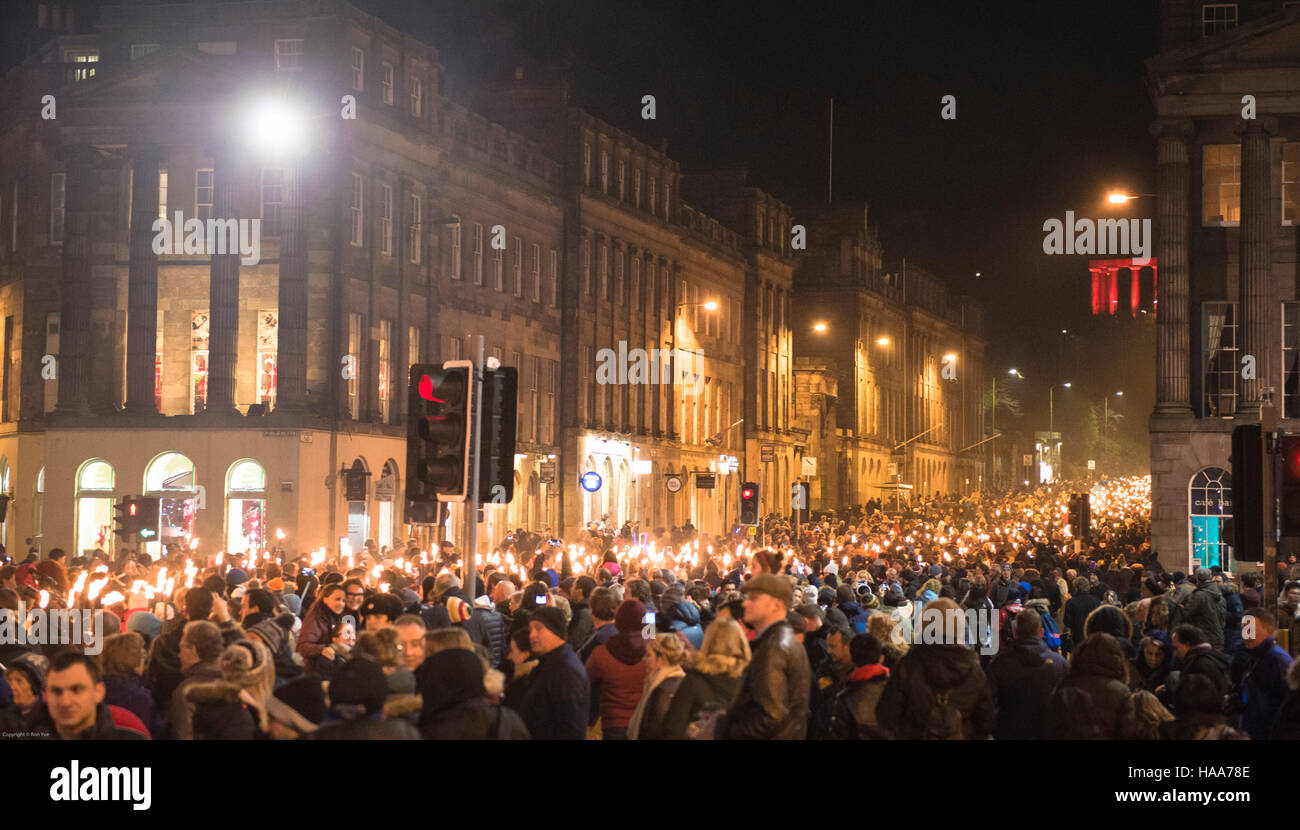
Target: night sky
x: 1052, y: 110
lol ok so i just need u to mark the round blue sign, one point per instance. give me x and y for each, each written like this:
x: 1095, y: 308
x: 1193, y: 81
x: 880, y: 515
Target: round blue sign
x: 591, y: 482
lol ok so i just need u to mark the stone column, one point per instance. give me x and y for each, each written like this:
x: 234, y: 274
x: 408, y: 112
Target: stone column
x: 1172, y: 335
x: 74, y: 318
x: 291, y: 357
x: 223, y: 286
x: 1255, y: 262
x: 142, y: 282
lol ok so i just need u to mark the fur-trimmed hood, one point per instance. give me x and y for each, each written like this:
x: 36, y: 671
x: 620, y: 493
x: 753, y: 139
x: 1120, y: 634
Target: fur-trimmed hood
x: 397, y: 705
x: 716, y: 664
x: 220, y: 691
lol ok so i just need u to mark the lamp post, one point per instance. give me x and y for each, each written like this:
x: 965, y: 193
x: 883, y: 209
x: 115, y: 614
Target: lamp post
x: 1105, y: 423
x: 1051, y: 405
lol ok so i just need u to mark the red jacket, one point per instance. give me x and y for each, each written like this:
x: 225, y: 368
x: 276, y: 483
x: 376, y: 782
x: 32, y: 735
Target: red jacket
x: 616, y: 685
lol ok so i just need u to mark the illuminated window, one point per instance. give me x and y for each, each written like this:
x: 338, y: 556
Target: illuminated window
x: 1220, y: 365
x: 171, y: 477
x: 95, y: 506
x: 1209, y: 513
x: 268, y: 342
x: 385, y: 368
x: 1221, y: 188
x: 245, y: 507
x: 82, y: 57
x: 198, y: 361
x: 354, y: 352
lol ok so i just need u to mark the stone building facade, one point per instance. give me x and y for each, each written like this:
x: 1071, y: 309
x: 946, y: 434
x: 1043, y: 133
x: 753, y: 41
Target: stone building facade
x: 1226, y: 207
x: 397, y: 226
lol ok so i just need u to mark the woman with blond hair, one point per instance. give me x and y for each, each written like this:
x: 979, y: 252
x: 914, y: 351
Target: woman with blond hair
x: 664, y: 674
x: 1148, y: 715
x: 711, y: 675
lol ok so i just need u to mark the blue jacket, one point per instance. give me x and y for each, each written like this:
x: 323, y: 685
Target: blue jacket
x: 1259, y: 678
x: 558, y: 699
x: 686, y: 621
x: 857, y: 616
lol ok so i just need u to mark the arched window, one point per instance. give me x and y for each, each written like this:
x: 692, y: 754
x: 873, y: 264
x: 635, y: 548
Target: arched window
x: 171, y: 478
x: 1209, y: 510
x: 94, y: 502
x: 245, y: 507
x: 386, y: 497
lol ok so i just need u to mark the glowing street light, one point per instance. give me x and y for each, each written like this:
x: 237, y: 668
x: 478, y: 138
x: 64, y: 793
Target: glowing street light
x: 1120, y: 198
x: 819, y: 327
x: 276, y: 127
x: 882, y: 341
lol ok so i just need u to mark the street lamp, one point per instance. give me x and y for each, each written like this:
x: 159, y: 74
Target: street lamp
x: 882, y: 341
x: 1051, y: 405
x: 1105, y: 422
x: 820, y: 328
x: 1119, y: 197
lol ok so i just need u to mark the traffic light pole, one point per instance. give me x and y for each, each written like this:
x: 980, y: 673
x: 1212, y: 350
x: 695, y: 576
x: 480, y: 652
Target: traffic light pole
x: 469, y: 557
x: 1268, y: 429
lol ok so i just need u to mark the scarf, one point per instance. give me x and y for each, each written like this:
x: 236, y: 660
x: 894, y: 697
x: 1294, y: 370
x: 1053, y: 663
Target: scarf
x: 652, y: 682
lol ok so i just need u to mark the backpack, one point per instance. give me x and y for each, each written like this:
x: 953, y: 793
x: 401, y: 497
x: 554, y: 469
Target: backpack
x: 1051, y: 633
x: 944, y: 723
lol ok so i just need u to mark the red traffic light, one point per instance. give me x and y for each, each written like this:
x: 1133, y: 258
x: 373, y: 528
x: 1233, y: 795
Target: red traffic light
x: 747, y: 493
x: 131, y: 508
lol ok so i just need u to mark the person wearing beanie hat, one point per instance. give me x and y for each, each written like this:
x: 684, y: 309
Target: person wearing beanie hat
x: 556, y: 704
x: 236, y: 577
x: 458, y: 610
x: 277, y: 636
x: 455, y: 705
x: 381, y: 610
x: 356, y: 707
x: 145, y: 624
x: 235, y: 708
x: 618, y: 671
x: 275, y: 585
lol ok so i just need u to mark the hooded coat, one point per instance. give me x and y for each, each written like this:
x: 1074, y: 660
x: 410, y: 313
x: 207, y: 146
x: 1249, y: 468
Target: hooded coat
x: 1206, y: 609
x: 1259, y: 676
x: 1021, y: 681
x: 617, y: 669
x: 1100, y: 670
x: 1287, y: 725
x: 685, y: 618
x: 709, y: 680
x: 455, y: 706
x: 924, y: 672
x: 856, y: 707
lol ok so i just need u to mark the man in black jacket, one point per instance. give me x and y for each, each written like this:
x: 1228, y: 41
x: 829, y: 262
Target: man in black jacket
x: 1196, y: 656
x: 1022, y: 678
x: 581, y: 626
x: 558, y: 699
x: 1206, y: 609
x: 773, y: 697
x: 74, y: 704
x: 164, y: 672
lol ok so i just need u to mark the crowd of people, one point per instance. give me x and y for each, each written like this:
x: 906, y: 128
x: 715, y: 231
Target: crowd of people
x: 851, y: 627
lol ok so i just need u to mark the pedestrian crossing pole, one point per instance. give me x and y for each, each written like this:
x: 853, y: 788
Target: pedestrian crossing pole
x: 1268, y: 490
x: 469, y: 557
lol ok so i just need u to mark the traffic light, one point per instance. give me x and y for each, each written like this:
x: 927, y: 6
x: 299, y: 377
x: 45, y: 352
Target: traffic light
x: 136, y: 517
x: 437, y: 431
x: 146, y: 517
x: 496, y: 472
x: 749, y: 504
x: 1288, y: 485
x: 1080, y: 515
x: 123, y: 521
x: 1247, y: 493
